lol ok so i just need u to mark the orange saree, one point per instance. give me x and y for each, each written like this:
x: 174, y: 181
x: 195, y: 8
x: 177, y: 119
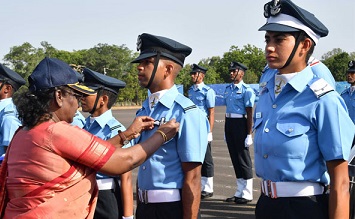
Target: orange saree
x: 51, y: 172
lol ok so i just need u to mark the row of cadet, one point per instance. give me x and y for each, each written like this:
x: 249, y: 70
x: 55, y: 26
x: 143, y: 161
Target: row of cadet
x: 302, y: 135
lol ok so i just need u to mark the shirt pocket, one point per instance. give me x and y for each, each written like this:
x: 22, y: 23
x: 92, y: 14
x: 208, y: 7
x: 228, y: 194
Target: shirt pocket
x: 293, y: 141
x: 200, y: 100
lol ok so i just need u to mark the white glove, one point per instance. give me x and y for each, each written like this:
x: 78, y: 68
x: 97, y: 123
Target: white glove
x: 248, y: 141
x: 209, y: 137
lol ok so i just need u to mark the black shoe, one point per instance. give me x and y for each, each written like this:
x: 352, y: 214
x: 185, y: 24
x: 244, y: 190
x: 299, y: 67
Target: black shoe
x: 205, y: 194
x: 242, y: 201
x: 231, y: 199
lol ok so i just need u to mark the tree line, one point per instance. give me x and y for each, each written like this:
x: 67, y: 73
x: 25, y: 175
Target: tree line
x: 114, y: 61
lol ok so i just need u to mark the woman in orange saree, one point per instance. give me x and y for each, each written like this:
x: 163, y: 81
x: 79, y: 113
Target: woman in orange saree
x: 51, y: 165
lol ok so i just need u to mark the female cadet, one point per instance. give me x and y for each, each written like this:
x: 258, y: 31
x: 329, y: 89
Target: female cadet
x: 303, y: 134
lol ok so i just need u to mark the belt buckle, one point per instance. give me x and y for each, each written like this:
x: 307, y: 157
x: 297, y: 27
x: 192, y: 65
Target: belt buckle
x: 271, y: 189
x: 145, y: 196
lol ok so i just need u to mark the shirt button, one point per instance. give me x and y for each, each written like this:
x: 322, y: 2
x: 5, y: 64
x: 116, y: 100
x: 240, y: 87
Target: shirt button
x: 274, y: 106
x: 290, y: 130
x: 143, y: 167
x: 267, y: 130
x: 265, y: 156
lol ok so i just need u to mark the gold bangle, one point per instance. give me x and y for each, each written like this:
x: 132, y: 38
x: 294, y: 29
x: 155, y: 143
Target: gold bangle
x: 163, y: 135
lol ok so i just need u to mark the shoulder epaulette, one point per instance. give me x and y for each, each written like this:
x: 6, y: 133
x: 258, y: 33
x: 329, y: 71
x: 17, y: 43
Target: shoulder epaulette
x: 246, y: 85
x: 207, y: 87
x: 185, y: 103
x: 320, y: 87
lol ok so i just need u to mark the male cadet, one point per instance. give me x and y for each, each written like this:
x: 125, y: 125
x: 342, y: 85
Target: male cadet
x: 204, y: 98
x: 239, y: 100
x: 10, y: 82
x: 169, y: 182
x: 115, y: 198
x: 348, y: 94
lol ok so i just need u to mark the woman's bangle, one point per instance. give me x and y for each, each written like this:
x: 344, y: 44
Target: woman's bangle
x: 163, y: 135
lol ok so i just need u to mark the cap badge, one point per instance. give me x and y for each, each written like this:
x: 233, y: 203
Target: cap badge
x: 139, y: 43
x: 231, y: 65
x: 272, y: 8
x: 351, y: 64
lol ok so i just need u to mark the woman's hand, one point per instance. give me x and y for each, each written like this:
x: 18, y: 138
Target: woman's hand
x: 139, y: 124
x: 170, y: 129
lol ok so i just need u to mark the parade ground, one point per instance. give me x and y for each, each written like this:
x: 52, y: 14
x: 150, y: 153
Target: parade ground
x: 224, y: 179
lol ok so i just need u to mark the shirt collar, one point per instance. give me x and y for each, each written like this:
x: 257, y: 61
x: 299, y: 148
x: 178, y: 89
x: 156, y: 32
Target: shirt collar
x: 199, y: 86
x: 299, y: 81
x: 169, y: 97
x: 103, y: 119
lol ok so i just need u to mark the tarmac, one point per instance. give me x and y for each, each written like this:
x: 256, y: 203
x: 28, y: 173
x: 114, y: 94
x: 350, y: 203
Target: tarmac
x: 224, y: 179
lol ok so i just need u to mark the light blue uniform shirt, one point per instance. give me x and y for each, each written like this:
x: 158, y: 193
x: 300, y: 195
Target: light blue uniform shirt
x: 79, y: 119
x: 9, y: 123
x: 238, y: 97
x: 105, y: 127
x: 203, y: 97
x: 296, y: 133
x: 163, y: 169
x: 349, y: 99
x: 5, y: 102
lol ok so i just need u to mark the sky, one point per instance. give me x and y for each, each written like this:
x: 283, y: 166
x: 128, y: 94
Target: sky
x: 209, y: 27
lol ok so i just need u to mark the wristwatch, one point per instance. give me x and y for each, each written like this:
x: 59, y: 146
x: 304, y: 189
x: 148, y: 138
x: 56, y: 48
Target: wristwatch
x: 123, y: 138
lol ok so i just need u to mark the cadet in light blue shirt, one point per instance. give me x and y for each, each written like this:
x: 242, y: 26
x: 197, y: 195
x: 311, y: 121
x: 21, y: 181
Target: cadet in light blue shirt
x: 115, y: 198
x: 303, y: 133
x: 348, y: 94
x: 169, y: 182
x: 10, y: 82
x: 79, y: 119
x: 204, y: 97
x: 239, y: 99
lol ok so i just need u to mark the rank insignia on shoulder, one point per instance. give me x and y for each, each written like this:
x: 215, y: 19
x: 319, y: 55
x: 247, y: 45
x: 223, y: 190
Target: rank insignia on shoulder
x: 320, y: 87
x: 115, y: 127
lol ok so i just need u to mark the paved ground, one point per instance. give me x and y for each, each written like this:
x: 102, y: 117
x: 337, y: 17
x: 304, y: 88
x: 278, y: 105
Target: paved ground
x: 224, y: 180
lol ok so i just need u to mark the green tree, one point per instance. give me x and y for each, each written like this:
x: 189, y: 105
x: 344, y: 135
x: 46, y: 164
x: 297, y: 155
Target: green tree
x: 250, y: 56
x: 337, y: 64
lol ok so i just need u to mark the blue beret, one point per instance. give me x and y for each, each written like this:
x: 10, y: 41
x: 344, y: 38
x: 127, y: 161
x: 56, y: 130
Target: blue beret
x: 9, y: 76
x: 285, y: 16
x: 96, y: 80
x: 197, y: 68
x: 236, y: 65
x: 149, y: 46
x: 351, y: 66
x: 52, y: 72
